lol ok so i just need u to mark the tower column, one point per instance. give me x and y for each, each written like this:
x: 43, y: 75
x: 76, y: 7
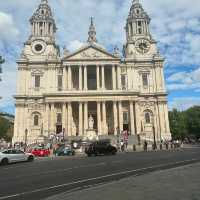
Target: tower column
x: 46, y: 122
x: 80, y: 78
x: 85, y: 117
x: 98, y: 77
x: 103, y: 76
x: 69, y: 128
x: 64, y: 79
x: 120, y: 116
x: 104, y: 128
x: 113, y: 77
x: 115, y: 117
x: 99, y: 117
x: 132, y: 121
x: 80, y: 118
x: 85, y: 78
x: 52, y: 118
x: 119, y: 77
x: 64, y: 116
x: 69, y: 77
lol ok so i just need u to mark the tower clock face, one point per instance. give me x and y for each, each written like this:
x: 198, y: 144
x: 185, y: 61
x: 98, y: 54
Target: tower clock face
x: 38, y: 46
x: 142, y: 45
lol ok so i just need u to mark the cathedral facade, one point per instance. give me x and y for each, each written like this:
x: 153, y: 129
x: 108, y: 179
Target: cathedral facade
x: 64, y: 93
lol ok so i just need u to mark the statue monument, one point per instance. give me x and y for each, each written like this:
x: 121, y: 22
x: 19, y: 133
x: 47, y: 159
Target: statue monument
x: 91, y: 133
x: 91, y: 123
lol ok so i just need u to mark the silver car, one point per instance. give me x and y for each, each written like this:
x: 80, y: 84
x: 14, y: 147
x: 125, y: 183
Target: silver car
x: 14, y: 155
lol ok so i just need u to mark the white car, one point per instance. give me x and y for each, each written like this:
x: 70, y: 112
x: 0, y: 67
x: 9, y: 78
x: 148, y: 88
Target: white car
x: 14, y: 155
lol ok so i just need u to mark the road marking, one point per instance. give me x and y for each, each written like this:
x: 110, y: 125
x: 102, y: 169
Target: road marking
x: 96, y: 178
x: 63, y: 170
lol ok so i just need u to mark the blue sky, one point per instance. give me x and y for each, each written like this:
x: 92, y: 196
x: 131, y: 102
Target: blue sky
x: 175, y: 25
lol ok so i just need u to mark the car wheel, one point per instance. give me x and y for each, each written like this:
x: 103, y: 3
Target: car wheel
x: 30, y: 159
x: 4, y: 161
x: 113, y: 152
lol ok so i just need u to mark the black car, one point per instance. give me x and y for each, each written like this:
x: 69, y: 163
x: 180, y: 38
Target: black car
x: 65, y: 151
x: 100, y: 148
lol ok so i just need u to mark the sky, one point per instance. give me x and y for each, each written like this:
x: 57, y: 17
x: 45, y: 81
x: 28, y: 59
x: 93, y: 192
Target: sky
x: 175, y: 25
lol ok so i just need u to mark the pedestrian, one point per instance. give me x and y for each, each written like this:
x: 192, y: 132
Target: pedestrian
x: 145, y: 145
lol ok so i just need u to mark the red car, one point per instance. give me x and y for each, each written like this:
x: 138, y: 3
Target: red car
x: 40, y: 152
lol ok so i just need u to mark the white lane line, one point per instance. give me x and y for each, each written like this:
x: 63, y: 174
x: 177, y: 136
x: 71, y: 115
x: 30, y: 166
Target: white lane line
x: 63, y: 170
x: 96, y: 178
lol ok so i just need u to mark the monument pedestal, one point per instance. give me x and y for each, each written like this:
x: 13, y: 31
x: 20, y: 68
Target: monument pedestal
x: 91, y: 135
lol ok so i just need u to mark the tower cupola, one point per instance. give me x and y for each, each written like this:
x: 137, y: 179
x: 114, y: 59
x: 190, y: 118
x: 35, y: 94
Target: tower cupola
x: 42, y: 21
x: 138, y: 21
x: 92, y: 33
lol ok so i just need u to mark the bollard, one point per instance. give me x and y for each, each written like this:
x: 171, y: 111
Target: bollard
x: 160, y: 146
x: 134, y: 147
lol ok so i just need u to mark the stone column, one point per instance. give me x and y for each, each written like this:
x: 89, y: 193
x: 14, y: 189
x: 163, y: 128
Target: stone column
x: 80, y: 78
x: 132, y: 121
x: 138, y: 119
x: 69, y: 128
x: 104, y: 118
x: 64, y: 78
x: 46, y: 120
x: 98, y: 77
x: 69, y: 78
x: 120, y: 117
x: 119, y: 78
x: 113, y: 77
x: 52, y: 118
x: 99, y: 117
x: 115, y: 116
x: 85, y: 117
x: 85, y: 78
x: 80, y: 118
x: 64, y: 117
x: 103, y: 77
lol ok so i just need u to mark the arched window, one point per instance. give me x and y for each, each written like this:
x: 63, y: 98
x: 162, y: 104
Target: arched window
x: 147, y: 118
x: 36, y: 120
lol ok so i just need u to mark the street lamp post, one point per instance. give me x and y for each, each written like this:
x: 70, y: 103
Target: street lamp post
x: 63, y: 134
x: 1, y: 62
x: 26, y: 134
x: 154, y: 138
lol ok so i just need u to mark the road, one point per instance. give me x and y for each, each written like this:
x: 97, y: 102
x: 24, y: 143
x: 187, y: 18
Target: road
x: 48, y: 177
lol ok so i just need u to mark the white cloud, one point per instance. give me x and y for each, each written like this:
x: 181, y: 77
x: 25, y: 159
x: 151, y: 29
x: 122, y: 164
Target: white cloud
x: 74, y: 45
x: 8, y: 30
x: 175, y: 25
x: 184, y: 81
x: 183, y: 103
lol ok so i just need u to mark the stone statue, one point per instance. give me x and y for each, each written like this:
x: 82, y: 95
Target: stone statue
x: 91, y: 122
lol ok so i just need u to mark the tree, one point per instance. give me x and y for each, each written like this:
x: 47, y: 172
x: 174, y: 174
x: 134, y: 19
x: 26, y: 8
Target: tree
x: 1, y: 62
x: 193, y: 121
x: 5, y: 129
x: 177, y: 124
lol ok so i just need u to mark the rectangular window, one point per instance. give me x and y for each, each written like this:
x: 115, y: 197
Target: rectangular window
x: 124, y: 81
x: 125, y: 118
x: 37, y: 81
x: 145, y: 80
x: 59, y: 118
x: 60, y: 82
x: 139, y: 23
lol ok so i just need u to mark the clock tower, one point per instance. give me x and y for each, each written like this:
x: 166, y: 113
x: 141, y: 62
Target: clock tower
x: 139, y: 40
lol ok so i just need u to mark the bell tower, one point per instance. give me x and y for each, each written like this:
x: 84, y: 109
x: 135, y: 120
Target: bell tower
x: 138, y: 36
x: 42, y: 22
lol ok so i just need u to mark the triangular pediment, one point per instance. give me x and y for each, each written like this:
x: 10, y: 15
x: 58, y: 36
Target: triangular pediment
x: 91, y: 52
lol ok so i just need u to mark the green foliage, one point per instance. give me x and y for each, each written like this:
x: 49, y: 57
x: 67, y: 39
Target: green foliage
x: 186, y: 123
x: 6, y: 129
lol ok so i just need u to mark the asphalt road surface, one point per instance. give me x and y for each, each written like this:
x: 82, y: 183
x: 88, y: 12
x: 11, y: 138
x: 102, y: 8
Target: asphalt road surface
x: 44, y: 178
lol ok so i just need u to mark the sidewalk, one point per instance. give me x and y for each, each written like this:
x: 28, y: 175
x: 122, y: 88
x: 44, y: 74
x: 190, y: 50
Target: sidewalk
x: 181, y: 183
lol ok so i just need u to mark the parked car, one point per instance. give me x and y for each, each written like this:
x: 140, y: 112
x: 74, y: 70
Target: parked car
x: 64, y: 151
x: 100, y: 148
x: 14, y: 155
x: 40, y: 152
